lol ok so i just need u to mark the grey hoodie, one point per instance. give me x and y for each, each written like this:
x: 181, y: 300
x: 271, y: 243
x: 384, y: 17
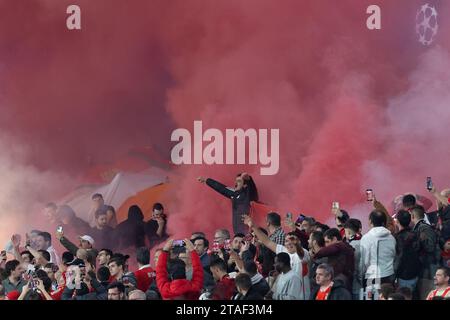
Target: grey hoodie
x: 377, y: 253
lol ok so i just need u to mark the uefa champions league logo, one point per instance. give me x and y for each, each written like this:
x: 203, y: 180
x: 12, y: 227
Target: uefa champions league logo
x: 427, y: 24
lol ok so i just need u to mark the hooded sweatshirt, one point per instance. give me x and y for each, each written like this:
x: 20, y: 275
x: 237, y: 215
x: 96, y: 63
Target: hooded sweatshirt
x: 378, y: 253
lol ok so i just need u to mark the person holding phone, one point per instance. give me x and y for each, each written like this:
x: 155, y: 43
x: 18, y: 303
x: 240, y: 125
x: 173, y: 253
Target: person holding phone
x: 171, y: 279
x: 243, y: 193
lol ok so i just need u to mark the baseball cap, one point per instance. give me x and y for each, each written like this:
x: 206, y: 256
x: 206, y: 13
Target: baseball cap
x: 87, y: 238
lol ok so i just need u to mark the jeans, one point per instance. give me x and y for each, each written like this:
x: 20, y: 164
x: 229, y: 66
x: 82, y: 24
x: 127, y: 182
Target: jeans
x: 411, y: 284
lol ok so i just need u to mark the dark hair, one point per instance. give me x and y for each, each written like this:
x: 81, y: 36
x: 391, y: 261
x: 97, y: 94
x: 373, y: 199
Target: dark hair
x: 250, y: 267
x: 47, y: 237
x: 103, y: 274
x: 42, y: 275
x: 318, y: 237
x: 118, y: 261
x: 100, y: 212
x: 108, y: 251
x: 28, y: 253
x: 310, y: 220
x: 51, y: 205
x: 284, y: 258
x: 406, y: 292
x: 322, y: 226
x: 243, y: 281
x: 404, y: 218
x: 438, y: 298
x: 353, y: 224
x: 176, y: 269
x: 97, y: 195
x: 446, y: 271
x: 333, y: 233
x: 205, y: 241
x: 10, y: 266
x: 143, y: 255
x: 377, y: 218
x: 239, y: 235
x: 408, y: 200
x: 45, y: 254
x: 344, y: 218
x: 396, y: 296
x: 386, y: 289
x: 418, y: 212
x: 118, y: 285
x: 274, y: 219
x: 158, y: 206
x: 219, y: 263
x: 123, y: 257
x: 67, y: 257
x: 135, y: 213
x: 33, y: 295
x: 252, y: 190
x: 200, y: 234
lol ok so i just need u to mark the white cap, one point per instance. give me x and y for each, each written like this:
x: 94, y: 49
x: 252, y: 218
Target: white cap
x: 88, y: 239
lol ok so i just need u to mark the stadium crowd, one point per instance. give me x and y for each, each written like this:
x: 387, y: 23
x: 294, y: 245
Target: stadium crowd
x: 404, y: 255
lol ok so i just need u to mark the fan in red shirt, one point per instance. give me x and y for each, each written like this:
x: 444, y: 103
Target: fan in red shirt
x: 225, y: 287
x: 145, y: 275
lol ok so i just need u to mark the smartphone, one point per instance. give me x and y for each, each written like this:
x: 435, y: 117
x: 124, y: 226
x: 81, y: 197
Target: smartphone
x: 289, y: 216
x: 429, y: 184
x: 3, y: 253
x: 335, y: 206
x: 178, y: 243
x: 369, y: 194
x: 59, y: 229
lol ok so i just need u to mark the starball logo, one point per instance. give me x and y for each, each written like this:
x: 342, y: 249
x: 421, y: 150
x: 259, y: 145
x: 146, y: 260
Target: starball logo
x: 236, y: 146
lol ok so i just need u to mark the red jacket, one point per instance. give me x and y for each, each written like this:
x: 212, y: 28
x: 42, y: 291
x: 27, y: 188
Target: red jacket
x: 144, y: 277
x: 179, y: 289
x: 224, y: 289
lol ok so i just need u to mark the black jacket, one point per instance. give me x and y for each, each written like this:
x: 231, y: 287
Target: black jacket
x: 429, y: 252
x: 151, y: 227
x: 240, y: 201
x: 252, y: 294
x: 103, y: 238
x: 407, y: 262
x: 261, y: 287
x: 129, y: 233
x: 341, y: 256
x: 338, y: 292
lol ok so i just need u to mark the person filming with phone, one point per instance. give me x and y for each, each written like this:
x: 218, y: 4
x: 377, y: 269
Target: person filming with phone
x: 171, y: 277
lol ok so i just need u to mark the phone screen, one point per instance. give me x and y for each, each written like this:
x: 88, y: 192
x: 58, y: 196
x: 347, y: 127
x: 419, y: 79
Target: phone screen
x: 178, y: 243
x: 369, y: 193
x: 429, y: 183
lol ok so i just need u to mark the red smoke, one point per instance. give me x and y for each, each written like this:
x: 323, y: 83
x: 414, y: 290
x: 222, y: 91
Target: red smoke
x: 355, y: 108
